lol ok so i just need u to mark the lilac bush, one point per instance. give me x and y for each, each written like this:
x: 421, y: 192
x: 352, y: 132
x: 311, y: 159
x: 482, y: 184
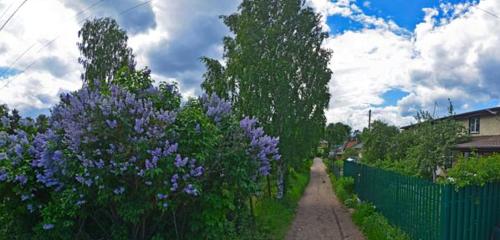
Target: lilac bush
x: 215, y: 107
x: 263, y: 148
x: 114, y: 146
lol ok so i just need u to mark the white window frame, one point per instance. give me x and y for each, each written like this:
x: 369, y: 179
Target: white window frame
x: 474, y: 125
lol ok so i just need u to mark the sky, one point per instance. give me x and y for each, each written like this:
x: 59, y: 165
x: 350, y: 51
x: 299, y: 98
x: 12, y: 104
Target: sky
x: 393, y: 57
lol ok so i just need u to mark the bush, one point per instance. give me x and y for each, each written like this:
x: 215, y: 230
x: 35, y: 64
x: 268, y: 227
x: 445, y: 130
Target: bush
x: 344, y: 187
x: 113, y: 164
x: 475, y: 170
x: 374, y: 225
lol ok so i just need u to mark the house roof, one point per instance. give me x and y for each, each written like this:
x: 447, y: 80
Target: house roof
x: 483, y: 112
x: 481, y: 143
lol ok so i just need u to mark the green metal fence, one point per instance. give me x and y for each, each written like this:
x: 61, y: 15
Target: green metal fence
x: 336, y: 170
x: 426, y: 210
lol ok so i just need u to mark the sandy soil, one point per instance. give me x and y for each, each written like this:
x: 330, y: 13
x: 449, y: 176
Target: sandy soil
x: 320, y: 215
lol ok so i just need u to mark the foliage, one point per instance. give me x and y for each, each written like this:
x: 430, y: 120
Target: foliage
x: 377, y: 141
x: 277, y: 72
x: 475, y: 170
x: 104, y: 50
x: 113, y: 164
x: 344, y: 188
x: 273, y: 217
x: 415, y: 151
x: 374, y: 225
x: 336, y: 134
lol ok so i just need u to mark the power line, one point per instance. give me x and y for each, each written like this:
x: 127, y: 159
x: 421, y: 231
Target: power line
x: 50, y: 42
x: 7, y: 9
x: 134, y: 7
x: 488, y: 12
x: 12, y: 15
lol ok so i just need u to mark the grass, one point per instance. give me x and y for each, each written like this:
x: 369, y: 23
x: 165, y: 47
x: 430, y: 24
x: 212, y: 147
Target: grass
x: 273, y: 217
x: 373, y: 224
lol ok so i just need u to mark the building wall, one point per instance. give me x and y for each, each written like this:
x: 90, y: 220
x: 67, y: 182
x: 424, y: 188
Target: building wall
x: 488, y: 125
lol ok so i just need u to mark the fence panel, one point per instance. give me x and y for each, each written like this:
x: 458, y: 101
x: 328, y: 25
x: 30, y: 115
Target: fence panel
x: 426, y: 210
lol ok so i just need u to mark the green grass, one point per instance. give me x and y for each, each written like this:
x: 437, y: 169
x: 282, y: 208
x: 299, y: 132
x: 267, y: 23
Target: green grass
x: 273, y: 217
x: 373, y: 224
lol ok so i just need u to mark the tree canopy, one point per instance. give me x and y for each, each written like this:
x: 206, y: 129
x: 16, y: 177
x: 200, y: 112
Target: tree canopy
x: 337, y: 133
x: 104, y: 51
x: 277, y: 71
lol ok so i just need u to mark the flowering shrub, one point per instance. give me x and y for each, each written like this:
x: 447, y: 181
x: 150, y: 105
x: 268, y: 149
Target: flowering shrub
x: 263, y: 148
x: 117, y: 164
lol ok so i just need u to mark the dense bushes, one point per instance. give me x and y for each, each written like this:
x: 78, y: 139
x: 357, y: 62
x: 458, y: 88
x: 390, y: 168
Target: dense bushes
x: 374, y: 225
x: 475, y: 170
x: 117, y: 164
x: 418, y: 151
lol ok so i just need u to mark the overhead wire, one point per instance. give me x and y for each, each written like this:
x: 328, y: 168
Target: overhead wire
x: 7, y: 9
x: 12, y: 15
x: 50, y: 42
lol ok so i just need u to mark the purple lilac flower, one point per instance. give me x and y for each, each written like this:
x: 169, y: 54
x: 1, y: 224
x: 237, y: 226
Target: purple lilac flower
x: 191, y: 190
x: 119, y: 191
x: 174, y: 182
x: 138, y: 126
x: 180, y: 162
x: 263, y: 148
x: 164, y: 205
x: 197, y: 171
x: 215, y: 107
x: 22, y: 179
x: 25, y: 197
x: 161, y: 196
x: 3, y: 175
x: 48, y: 226
x: 197, y: 128
x: 112, y: 123
x: 30, y: 208
x: 5, y: 121
x: 18, y: 149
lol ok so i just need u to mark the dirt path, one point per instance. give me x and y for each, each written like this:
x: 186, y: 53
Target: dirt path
x: 320, y: 214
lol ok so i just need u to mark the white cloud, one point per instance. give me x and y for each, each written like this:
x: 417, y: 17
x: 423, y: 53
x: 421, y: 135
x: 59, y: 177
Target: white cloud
x: 46, y: 73
x: 454, y: 53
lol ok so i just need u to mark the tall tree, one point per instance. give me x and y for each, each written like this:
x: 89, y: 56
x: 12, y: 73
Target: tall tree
x: 104, y: 50
x: 277, y: 71
x: 337, y: 133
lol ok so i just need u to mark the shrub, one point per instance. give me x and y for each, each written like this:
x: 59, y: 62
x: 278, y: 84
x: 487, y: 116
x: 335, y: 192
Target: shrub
x: 475, y: 170
x: 374, y: 225
x: 344, y: 187
x: 120, y: 165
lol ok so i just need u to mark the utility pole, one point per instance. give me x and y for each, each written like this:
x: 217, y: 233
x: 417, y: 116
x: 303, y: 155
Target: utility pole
x: 370, y: 119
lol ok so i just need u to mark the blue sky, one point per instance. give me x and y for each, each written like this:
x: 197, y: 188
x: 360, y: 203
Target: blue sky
x: 392, y: 56
x: 406, y: 13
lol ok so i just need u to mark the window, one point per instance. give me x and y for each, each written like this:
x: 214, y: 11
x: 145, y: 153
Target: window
x: 474, y: 125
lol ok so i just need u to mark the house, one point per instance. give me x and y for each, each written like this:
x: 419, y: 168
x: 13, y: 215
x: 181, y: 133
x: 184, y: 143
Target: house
x: 483, y: 127
x: 353, y: 143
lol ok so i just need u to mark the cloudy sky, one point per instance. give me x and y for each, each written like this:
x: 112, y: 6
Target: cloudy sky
x: 393, y: 57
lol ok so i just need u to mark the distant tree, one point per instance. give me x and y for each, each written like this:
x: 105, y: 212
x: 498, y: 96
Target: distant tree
x: 276, y: 70
x: 336, y: 134
x: 104, y: 50
x: 377, y: 141
x: 432, y: 143
x: 42, y: 123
